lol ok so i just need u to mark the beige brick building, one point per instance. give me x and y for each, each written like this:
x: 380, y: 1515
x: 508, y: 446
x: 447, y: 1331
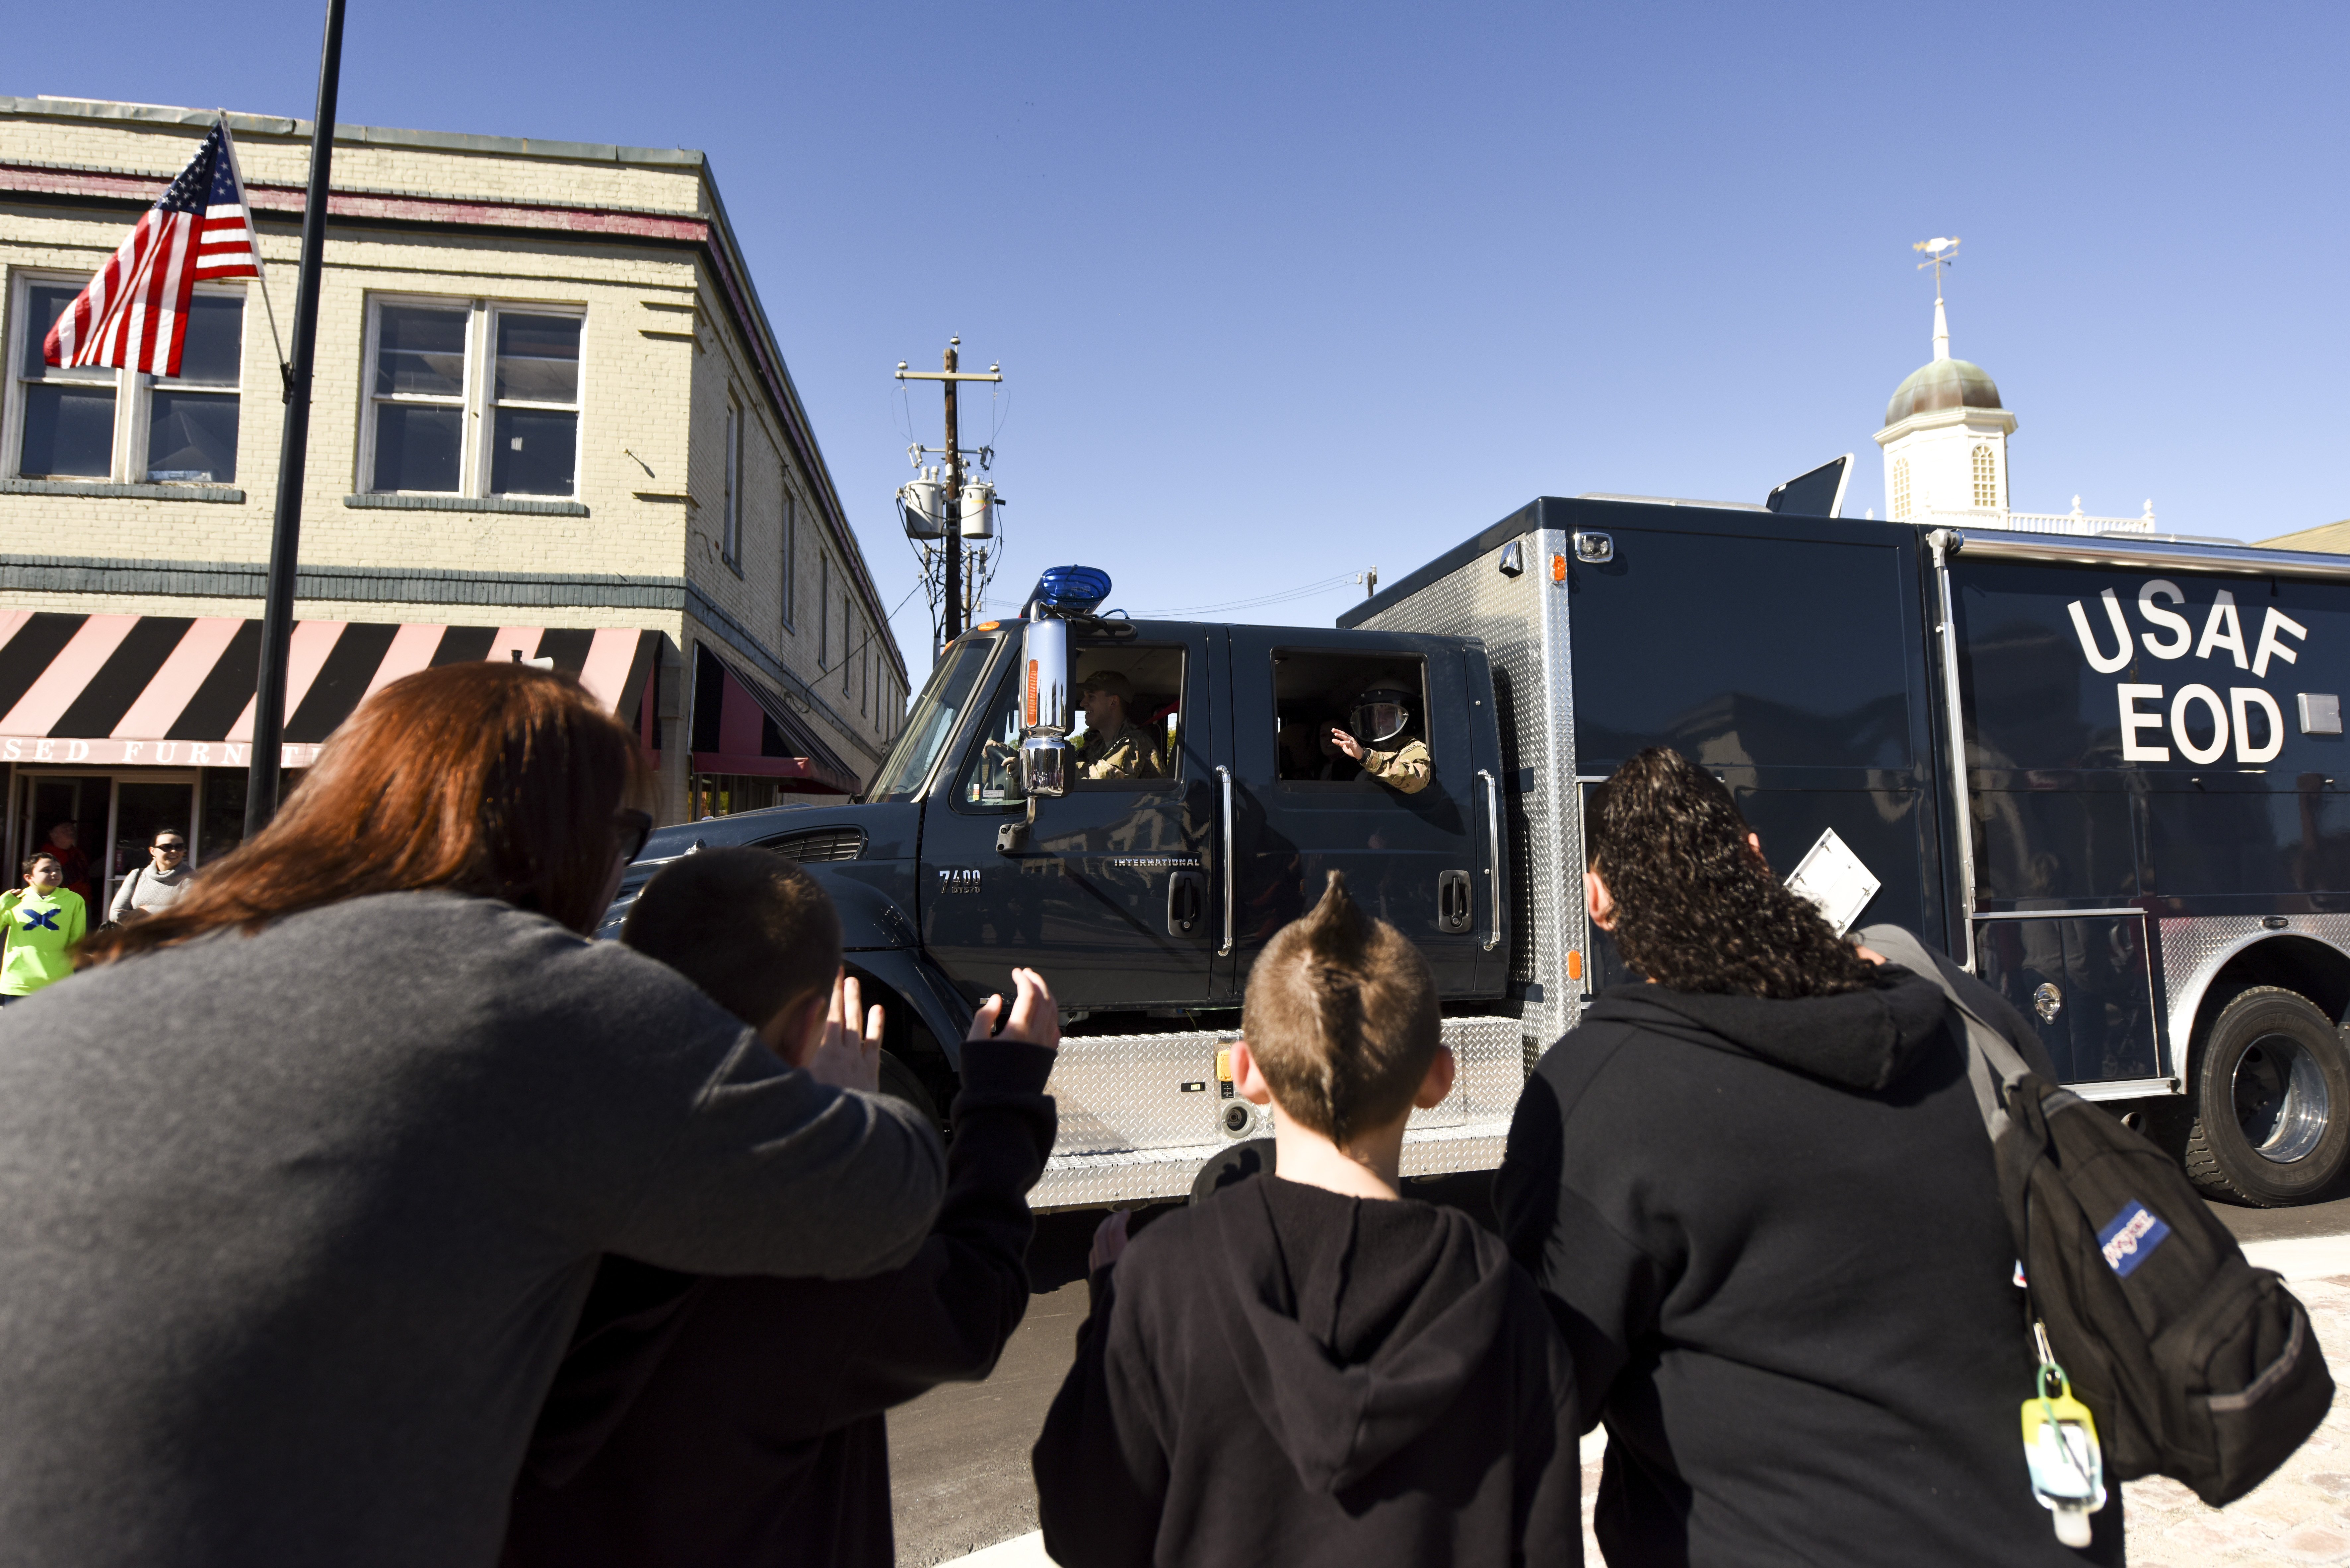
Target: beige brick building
x: 549, y: 420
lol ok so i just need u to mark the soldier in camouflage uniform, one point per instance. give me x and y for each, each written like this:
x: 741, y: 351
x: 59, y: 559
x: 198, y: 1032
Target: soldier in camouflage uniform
x: 1116, y: 747
x: 1380, y: 741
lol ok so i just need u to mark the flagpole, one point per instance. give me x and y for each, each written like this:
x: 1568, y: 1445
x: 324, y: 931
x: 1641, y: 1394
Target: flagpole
x: 286, y: 533
x: 260, y: 271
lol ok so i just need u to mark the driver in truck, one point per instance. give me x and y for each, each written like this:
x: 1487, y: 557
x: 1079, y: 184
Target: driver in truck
x: 1116, y: 747
x: 1380, y: 738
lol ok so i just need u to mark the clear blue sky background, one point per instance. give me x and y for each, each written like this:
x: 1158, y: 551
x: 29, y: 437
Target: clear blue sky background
x: 1286, y: 291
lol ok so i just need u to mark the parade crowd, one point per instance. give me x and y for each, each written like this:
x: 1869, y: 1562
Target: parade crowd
x: 355, y: 1208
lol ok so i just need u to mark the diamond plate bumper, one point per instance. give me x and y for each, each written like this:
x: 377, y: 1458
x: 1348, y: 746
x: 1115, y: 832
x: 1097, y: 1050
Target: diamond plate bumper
x: 1132, y: 1130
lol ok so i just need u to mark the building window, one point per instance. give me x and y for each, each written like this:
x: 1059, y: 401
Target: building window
x: 1986, y: 479
x: 824, y: 612
x: 730, y: 518
x: 442, y: 371
x: 847, y: 649
x: 1901, y: 490
x: 791, y: 538
x: 865, y: 674
x: 123, y: 425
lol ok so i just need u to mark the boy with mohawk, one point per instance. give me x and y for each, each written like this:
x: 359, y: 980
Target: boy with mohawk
x: 1307, y: 1368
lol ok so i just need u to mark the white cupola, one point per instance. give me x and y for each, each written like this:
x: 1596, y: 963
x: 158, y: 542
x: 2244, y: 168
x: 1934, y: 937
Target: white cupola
x: 1945, y: 437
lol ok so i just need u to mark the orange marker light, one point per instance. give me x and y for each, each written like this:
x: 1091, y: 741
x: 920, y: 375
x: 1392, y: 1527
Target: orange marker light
x: 1574, y: 964
x: 987, y: 626
x: 1558, y: 568
x: 1032, y: 691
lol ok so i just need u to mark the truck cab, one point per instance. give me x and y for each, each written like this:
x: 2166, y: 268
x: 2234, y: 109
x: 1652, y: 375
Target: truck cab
x: 1144, y: 899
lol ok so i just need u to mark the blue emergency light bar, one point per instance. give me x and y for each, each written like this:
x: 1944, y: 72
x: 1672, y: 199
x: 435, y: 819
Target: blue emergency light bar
x: 1077, y: 590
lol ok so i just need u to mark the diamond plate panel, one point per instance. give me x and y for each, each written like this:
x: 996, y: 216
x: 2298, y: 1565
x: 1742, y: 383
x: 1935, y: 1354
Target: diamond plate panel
x: 1129, y: 1133
x: 2195, y: 947
x: 1119, y: 1094
x: 1522, y: 622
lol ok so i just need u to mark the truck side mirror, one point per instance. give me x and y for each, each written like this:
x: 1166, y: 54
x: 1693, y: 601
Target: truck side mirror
x: 1045, y: 715
x: 1043, y: 765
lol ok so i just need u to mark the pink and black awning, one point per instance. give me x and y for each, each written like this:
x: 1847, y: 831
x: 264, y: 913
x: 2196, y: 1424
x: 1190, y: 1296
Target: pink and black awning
x: 116, y: 691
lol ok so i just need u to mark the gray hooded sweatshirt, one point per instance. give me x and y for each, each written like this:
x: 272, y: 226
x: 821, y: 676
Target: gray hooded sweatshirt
x: 294, y: 1227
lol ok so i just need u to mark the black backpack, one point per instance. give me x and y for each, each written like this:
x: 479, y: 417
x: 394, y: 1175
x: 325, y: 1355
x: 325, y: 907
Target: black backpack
x: 2196, y: 1364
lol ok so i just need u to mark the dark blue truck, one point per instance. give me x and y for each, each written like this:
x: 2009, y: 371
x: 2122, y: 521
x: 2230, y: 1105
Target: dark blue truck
x: 2142, y: 740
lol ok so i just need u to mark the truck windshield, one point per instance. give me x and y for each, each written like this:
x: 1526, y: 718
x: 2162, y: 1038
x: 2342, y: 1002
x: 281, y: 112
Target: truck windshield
x: 933, y: 720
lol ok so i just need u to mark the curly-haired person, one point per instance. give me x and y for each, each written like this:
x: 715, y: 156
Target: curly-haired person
x: 1756, y: 1191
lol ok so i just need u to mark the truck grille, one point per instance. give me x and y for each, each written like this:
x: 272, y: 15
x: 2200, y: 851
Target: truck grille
x: 820, y: 844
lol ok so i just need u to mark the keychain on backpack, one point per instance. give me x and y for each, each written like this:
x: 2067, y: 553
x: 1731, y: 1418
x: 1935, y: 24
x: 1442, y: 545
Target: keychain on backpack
x: 2059, y: 1446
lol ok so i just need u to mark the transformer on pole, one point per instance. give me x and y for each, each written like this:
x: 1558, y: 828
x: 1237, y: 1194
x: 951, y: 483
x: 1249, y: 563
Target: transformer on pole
x: 938, y: 506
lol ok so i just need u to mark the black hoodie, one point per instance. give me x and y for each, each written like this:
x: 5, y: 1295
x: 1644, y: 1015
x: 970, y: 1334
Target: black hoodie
x: 1286, y: 1374
x: 1772, y: 1232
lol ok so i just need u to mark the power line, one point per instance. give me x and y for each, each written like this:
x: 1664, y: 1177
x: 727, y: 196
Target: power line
x: 1284, y: 596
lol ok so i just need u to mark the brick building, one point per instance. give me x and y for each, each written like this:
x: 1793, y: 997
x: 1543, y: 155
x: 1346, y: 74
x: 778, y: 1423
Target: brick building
x: 549, y: 421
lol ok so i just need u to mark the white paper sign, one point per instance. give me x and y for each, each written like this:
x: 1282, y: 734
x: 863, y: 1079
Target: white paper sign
x: 1832, y: 877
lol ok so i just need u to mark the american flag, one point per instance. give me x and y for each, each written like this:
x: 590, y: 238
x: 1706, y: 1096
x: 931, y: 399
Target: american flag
x: 134, y: 314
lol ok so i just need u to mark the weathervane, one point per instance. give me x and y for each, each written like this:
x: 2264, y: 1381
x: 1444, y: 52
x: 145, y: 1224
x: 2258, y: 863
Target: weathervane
x: 1940, y: 253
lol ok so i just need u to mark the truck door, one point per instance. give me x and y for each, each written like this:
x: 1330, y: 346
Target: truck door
x: 1417, y: 860
x: 1787, y: 655
x: 1109, y: 896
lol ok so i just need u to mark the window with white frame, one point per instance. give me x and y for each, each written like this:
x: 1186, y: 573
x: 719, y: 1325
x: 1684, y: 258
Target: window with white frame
x: 1986, y: 479
x: 1900, y: 490
x: 471, y: 397
x: 730, y: 543
x: 125, y: 426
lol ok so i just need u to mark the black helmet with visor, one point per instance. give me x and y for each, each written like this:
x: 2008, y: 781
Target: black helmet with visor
x: 1380, y: 714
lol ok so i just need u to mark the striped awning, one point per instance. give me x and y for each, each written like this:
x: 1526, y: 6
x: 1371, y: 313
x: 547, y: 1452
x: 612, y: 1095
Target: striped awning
x: 177, y: 690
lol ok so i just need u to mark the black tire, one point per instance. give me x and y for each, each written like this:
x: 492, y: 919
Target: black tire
x: 898, y: 1079
x: 2271, y: 1096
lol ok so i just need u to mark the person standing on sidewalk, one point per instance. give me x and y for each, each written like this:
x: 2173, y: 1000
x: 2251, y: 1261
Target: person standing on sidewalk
x: 73, y: 862
x: 154, y: 888
x: 46, y: 918
x: 302, y: 1180
x: 1757, y: 1190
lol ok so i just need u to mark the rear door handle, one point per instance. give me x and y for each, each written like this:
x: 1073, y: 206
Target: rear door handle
x: 1456, y: 904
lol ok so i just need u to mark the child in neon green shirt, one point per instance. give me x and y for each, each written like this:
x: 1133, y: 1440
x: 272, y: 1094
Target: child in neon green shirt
x: 45, y: 918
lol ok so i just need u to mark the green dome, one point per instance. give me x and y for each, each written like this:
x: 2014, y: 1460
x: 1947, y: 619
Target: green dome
x: 1943, y: 384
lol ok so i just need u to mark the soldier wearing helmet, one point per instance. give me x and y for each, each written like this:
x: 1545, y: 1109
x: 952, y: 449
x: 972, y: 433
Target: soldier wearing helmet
x: 1115, y: 746
x: 1379, y: 737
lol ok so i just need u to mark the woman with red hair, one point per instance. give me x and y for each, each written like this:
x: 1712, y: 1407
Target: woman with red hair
x: 303, y: 1179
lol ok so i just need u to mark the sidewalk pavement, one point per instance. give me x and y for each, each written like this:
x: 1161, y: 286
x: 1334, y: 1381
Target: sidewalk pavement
x: 2299, y: 1515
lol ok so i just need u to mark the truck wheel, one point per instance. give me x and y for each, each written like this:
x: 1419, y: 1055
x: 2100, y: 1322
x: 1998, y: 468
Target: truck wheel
x: 2271, y: 1101
x: 898, y: 1079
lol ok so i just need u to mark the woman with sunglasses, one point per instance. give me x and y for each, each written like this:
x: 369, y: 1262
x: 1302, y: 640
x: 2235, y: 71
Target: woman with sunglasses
x: 150, y: 889
x: 303, y: 1179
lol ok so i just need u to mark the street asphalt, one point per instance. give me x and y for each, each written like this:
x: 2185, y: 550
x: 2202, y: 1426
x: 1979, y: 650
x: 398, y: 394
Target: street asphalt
x: 959, y: 1455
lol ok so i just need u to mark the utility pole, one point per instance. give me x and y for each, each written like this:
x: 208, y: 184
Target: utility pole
x: 954, y: 503
x: 286, y: 533
x: 952, y: 542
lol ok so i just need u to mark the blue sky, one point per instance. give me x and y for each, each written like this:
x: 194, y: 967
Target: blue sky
x: 1283, y: 292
